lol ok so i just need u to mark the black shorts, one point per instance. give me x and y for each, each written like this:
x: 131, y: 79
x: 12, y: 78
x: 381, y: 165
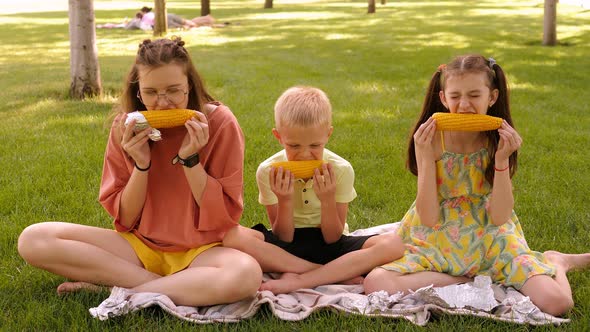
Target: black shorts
x: 308, y: 243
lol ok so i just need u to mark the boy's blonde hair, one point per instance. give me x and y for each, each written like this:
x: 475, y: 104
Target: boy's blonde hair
x: 303, y: 106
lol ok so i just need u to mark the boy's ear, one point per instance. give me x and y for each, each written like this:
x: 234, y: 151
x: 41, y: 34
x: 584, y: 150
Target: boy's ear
x: 277, y: 135
x: 331, y: 131
x: 443, y: 100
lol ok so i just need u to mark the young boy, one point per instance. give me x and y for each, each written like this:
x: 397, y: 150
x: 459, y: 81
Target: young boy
x: 308, y: 216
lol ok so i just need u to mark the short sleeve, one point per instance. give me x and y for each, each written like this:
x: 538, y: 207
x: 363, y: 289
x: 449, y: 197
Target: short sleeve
x: 345, y: 191
x: 265, y: 194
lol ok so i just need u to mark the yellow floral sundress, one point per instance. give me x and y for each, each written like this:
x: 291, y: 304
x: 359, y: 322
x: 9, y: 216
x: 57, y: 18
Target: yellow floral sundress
x: 465, y: 242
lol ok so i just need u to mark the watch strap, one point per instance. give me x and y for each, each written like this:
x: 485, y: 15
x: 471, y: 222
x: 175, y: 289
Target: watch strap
x: 189, y: 162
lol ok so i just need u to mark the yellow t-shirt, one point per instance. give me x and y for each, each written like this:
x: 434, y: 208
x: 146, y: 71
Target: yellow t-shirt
x: 307, y: 206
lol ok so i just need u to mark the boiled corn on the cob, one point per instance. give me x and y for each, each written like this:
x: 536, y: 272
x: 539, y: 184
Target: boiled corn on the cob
x: 301, y: 169
x: 466, y: 122
x: 168, y: 118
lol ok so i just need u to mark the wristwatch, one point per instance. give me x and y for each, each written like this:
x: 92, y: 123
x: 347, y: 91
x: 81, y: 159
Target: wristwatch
x: 189, y: 162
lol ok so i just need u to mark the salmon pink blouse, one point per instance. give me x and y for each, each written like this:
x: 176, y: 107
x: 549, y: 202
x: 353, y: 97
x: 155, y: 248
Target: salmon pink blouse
x: 171, y: 220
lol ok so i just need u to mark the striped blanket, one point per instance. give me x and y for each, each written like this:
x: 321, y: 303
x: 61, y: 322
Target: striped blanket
x: 478, y: 298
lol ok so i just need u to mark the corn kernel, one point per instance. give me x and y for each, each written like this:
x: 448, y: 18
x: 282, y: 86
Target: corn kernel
x: 466, y: 122
x: 301, y: 169
x: 168, y: 118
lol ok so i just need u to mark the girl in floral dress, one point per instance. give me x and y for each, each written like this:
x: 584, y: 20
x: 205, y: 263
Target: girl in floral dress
x: 462, y: 223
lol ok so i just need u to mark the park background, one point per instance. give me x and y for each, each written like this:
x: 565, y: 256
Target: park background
x: 375, y: 68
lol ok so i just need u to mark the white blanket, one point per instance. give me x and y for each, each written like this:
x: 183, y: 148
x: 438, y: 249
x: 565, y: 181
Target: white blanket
x: 479, y: 298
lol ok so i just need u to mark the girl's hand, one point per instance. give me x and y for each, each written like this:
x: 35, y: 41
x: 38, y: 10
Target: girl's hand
x: 423, y: 139
x: 325, y: 185
x: 197, y: 136
x: 136, y: 145
x: 510, y: 141
x: 282, y: 183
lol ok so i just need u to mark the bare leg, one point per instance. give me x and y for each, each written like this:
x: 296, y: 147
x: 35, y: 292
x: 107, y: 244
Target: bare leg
x: 74, y: 286
x: 84, y: 253
x: 236, y: 274
x: 353, y: 281
x: 379, y: 250
x: 218, y: 275
x: 187, y: 24
x: 270, y: 257
x: 393, y: 282
x: 568, y: 262
x: 206, y: 20
x: 100, y: 256
x: 554, y: 295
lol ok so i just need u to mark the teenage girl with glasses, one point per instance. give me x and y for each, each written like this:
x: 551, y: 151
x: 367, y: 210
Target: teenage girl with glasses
x: 169, y: 219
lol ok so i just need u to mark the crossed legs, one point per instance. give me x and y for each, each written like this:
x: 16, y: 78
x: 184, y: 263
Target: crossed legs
x: 299, y: 273
x: 100, y: 256
x: 551, y: 295
x: 270, y: 257
x: 377, y: 250
x: 554, y: 295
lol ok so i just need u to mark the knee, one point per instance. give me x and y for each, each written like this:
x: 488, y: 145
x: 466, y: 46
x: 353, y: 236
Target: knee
x: 235, y: 238
x: 395, y: 245
x: 230, y: 239
x: 34, y: 241
x: 390, y: 246
x: 554, y: 302
x: 376, y: 280
x: 241, y: 238
x: 244, y: 279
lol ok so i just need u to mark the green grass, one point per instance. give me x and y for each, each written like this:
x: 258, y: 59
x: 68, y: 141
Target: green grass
x: 375, y: 69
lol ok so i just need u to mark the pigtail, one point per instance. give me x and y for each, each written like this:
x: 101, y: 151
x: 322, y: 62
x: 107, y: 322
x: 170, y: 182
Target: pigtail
x: 501, y: 109
x: 431, y: 105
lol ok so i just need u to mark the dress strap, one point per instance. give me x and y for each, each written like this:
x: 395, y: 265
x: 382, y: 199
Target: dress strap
x: 442, y: 140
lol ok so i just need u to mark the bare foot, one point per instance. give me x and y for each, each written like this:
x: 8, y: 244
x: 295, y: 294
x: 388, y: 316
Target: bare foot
x: 568, y: 262
x: 287, y: 283
x: 71, y: 287
x: 354, y: 281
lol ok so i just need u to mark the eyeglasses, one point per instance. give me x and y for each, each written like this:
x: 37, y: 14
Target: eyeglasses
x: 173, y: 95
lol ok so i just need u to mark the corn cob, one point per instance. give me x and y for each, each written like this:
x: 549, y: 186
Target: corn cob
x: 168, y: 118
x: 466, y: 122
x: 301, y: 169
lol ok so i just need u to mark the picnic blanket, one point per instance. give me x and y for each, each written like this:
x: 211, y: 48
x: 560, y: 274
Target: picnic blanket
x: 479, y: 298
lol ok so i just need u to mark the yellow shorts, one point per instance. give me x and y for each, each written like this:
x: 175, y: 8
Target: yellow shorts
x: 163, y: 262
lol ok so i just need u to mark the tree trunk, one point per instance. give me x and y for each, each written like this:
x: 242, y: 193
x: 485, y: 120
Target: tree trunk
x: 268, y: 4
x: 371, y: 7
x: 550, y: 23
x: 161, y: 18
x: 205, y: 8
x: 84, y: 68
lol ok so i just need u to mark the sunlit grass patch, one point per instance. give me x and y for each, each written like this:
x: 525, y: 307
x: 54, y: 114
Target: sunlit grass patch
x: 375, y: 69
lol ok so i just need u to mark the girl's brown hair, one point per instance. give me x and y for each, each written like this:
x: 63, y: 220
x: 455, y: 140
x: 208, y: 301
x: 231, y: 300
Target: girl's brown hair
x: 501, y: 108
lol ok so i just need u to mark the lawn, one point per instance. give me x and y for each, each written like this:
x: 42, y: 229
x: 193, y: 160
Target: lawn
x: 375, y: 68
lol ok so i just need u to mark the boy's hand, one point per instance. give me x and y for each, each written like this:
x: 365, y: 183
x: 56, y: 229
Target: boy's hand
x: 325, y: 185
x: 282, y: 183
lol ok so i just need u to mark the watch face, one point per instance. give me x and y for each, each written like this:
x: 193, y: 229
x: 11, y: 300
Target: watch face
x: 190, y: 161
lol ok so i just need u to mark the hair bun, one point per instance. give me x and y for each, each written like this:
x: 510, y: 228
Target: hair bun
x: 145, y: 42
x: 177, y: 40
